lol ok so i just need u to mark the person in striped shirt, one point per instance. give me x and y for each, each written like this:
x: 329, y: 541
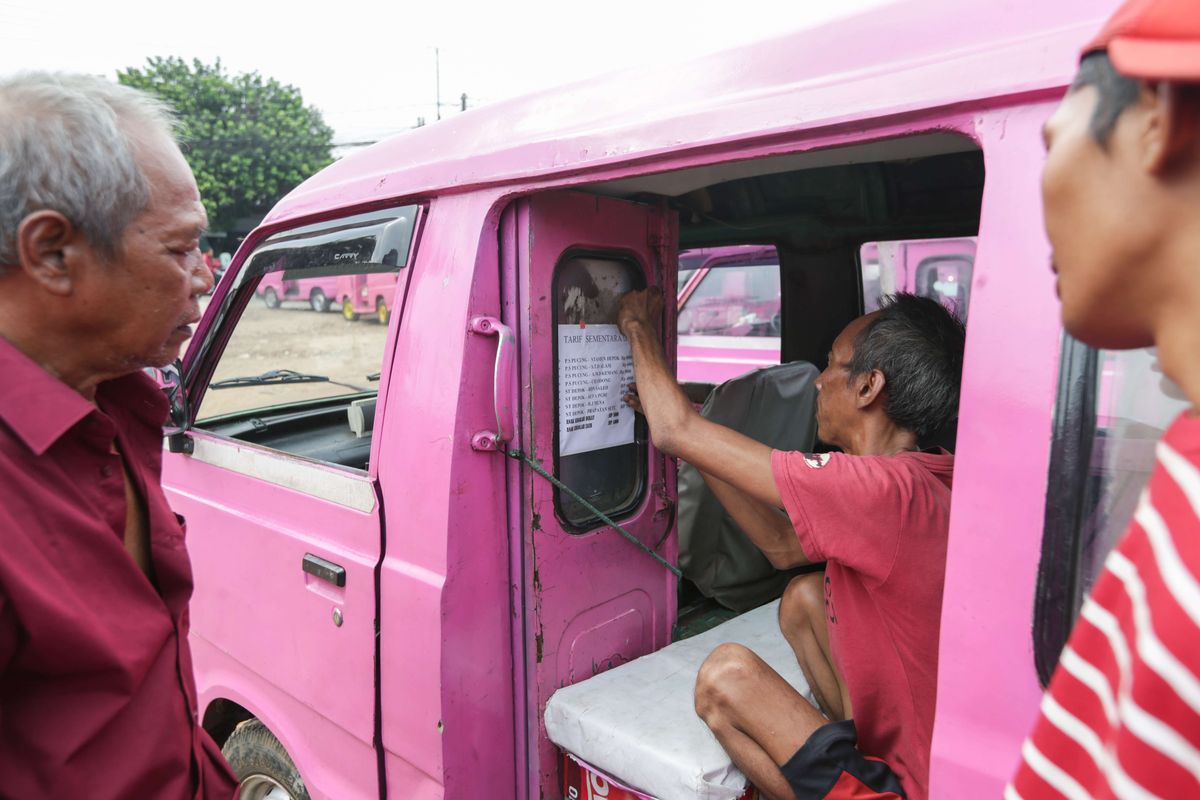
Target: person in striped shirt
x: 1121, y: 190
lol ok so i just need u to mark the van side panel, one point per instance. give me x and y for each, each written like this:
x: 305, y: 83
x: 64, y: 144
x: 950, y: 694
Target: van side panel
x: 988, y: 692
x: 333, y: 763
x: 446, y: 661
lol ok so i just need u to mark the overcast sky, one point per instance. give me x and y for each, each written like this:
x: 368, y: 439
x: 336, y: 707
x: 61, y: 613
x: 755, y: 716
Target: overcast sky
x: 369, y: 66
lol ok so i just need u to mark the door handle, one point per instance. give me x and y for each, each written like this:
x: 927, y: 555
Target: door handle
x: 502, y: 377
x: 325, y: 570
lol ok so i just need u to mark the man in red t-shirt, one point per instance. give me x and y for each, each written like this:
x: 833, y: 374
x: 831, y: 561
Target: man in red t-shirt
x: 1121, y: 189
x: 865, y: 631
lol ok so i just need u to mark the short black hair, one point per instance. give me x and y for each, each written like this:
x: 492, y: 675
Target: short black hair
x: 1116, y: 92
x: 918, y: 346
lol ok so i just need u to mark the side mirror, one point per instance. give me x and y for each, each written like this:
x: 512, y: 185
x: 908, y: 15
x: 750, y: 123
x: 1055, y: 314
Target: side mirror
x: 170, y: 378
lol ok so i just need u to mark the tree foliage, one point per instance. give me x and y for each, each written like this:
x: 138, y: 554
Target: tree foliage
x: 249, y: 140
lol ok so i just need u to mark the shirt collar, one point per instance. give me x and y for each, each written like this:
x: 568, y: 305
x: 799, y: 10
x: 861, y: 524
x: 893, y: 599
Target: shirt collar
x: 40, y: 408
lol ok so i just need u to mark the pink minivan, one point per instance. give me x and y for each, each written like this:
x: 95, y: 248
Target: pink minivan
x: 277, y: 288
x: 406, y: 574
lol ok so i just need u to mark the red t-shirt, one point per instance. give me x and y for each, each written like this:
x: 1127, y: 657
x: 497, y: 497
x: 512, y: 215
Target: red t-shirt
x: 97, y: 693
x: 1122, y: 714
x: 880, y: 523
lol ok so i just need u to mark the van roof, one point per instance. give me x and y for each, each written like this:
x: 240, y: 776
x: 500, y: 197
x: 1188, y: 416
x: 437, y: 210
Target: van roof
x: 904, y: 57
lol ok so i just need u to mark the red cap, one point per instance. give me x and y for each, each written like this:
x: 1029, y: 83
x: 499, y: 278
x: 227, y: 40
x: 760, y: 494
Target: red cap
x: 1153, y: 39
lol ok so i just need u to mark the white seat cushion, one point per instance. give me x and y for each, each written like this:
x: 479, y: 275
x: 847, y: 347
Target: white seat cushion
x: 638, y: 722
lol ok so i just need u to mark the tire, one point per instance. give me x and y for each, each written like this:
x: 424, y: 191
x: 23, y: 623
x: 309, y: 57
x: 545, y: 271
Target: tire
x: 318, y: 300
x: 263, y: 767
x: 381, y: 311
x: 348, y: 310
x: 271, y: 298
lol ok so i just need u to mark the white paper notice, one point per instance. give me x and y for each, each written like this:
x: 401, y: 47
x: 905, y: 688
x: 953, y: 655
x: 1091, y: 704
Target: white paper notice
x: 595, y: 368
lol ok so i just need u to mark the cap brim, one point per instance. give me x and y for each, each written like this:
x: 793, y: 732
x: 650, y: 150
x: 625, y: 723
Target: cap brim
x: 1156, y: 58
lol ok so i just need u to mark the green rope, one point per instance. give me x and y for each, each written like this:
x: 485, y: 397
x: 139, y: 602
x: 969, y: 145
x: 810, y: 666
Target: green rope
x: 540, y: 470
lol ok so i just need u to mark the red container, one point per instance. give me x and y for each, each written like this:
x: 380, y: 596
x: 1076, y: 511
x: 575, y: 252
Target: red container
x: 581, y: 781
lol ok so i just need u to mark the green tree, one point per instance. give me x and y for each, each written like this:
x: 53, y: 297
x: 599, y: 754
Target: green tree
x: 249, y: 140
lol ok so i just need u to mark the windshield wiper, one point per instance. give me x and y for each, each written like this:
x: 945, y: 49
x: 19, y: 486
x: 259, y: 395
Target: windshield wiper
x: 277, y: 376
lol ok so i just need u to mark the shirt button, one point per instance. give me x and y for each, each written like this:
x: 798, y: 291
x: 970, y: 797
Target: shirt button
x: 106, y: 471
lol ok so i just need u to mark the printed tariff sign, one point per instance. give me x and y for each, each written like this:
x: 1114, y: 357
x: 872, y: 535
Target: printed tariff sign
x: 595, y: 368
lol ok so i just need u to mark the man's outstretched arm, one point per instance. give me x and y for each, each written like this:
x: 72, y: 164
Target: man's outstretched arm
x: 675, y: 426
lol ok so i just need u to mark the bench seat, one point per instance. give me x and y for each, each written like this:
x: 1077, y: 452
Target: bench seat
x: 637, y: 722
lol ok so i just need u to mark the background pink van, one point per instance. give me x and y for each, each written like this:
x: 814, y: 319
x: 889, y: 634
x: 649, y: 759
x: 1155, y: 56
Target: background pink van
x: 277, y: 288
x: 729, y: 319
x: 390, y: 591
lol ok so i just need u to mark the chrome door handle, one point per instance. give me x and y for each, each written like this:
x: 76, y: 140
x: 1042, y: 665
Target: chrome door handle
x: 502, y: 377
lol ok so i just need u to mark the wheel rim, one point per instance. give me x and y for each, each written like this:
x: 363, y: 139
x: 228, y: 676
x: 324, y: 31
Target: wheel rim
x: 348, y: 309
x: 317, y: 300
x: 263, y: 787
x: 381, y: 311
x: 270, y: 298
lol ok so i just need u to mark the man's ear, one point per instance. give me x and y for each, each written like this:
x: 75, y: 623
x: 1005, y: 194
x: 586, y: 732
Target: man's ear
x: 870, y: 387
x: 1170, y: 134
x: 47, y: 245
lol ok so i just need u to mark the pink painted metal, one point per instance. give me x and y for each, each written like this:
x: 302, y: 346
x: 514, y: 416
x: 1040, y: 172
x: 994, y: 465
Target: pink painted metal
x: 460, y: 572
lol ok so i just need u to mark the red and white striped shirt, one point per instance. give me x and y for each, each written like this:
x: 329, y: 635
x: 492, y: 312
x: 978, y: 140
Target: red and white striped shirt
x: 1122, y: 715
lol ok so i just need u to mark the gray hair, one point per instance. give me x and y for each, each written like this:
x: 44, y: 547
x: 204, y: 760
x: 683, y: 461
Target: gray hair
x: 65, y: 145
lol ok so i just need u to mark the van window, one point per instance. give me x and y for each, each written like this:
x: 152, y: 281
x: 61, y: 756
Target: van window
x: 587, y: 287
x: 296, y: 376
x: 733, y: 299
x: 940, y: 269
x: 946, y: 279
x: 1112, y: 409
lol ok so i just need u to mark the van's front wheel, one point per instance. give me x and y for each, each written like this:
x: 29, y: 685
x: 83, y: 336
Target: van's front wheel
x: 263, y: 768
x: 348, y: 309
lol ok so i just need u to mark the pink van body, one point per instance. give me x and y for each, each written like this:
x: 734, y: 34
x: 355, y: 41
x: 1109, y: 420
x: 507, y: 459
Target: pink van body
x: 466, y: 599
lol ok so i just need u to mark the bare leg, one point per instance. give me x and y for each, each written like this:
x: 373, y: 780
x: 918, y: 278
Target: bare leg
x: 804, y: 624
x: 756, y: 715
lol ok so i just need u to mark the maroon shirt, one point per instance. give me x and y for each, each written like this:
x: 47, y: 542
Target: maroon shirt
x: 97, y: 695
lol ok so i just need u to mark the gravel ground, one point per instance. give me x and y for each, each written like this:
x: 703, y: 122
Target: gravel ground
x: 297, y: 338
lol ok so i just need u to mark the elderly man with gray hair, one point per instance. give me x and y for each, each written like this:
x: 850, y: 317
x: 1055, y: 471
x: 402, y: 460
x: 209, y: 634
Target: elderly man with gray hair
x: 100, y: 274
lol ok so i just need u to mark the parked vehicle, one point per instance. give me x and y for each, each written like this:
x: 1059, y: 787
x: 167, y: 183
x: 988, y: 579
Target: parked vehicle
x: 279, y: 287
x: 729, y: 319
x: 729, y: 312
x: 366, y: 294
x: 388, y: 591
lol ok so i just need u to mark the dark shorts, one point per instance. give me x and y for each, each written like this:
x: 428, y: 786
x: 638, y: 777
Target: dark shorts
x: 829, y: 767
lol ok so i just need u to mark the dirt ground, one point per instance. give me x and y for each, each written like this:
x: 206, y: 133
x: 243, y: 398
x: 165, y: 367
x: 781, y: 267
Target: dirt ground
x: 295, y: 337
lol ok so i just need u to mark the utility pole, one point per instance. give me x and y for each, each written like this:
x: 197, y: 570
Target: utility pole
x: 437, y: 78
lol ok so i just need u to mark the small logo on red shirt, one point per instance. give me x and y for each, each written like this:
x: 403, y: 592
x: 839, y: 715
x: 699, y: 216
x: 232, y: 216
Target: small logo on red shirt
x: 829, y: 610
x: 817, y: 460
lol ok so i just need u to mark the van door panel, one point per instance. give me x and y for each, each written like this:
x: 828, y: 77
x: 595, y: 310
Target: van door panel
x: 593, y: 600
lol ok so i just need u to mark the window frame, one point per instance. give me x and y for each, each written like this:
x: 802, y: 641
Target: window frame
x: 201, y: 362
x: 1057, y: 595
x: 641, y: 434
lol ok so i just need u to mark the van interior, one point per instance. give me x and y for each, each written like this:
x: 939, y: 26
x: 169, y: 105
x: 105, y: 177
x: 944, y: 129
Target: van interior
x: 818, y: 209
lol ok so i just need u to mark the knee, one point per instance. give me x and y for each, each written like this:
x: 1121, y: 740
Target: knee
x: 723, y: 677
x: 803, y: 601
